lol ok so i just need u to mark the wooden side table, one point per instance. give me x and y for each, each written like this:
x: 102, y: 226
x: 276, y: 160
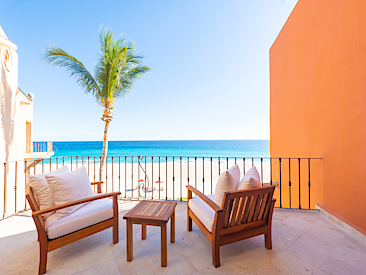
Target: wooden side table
x: 155, y: 213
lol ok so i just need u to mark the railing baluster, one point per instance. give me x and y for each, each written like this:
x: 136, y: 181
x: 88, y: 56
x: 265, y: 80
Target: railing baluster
x: 309, y: 181
x: 244, y: 166
x: 262, y: 170
x: 138, y: 178
x: 132, y: 176
x: 88, y: 166
x: 5, y: 187
x: 188, y: 171
x: 145, y: 178
x: 180, y: 175
x: 289, y: 180
x: 252, y: 162
x: 71, y: 162
x: 211, y: 173
x: 173, y: 181
x: 227, y: 163
x: 125, y: 177
x: 195, y: 172
x: 152, y: 178
x: 42, y: 166
x: 106, y: 174
x: 63, y: 161
x: 94, y: 172
x: 203, y: 174
x: 219, y: 166
x: 16, y: 185
x: 270, y: 168
x: 25, y: 181
x: 112, y: 176
x: 166, y: 178
x: 119, y: 174
x: 159, y: 179
x: 299, y: 187
x: 56, y: 163
x: 280, y: 185
x: 77, y: 162
x: 50, y: 165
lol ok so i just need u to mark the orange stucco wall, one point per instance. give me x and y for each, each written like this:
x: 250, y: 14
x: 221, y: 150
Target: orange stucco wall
x: 318, y: 100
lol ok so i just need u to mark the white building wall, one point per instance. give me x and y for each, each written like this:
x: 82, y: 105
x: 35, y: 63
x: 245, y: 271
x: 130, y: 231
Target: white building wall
x: 15, y: 110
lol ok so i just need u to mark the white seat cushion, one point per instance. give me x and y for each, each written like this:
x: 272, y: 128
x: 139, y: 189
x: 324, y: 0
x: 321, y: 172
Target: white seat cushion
x: 250, y: 180
x: 87, y: 215
x: 42, y: 190
x: 69, y: 187
x: 227, y: 182
x: 203, y: 211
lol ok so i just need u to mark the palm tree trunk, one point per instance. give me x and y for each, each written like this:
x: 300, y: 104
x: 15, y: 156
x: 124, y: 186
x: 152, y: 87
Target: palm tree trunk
x: 105, y: 150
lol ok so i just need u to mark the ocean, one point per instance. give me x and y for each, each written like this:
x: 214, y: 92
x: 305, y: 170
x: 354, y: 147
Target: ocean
x: 166, y: 148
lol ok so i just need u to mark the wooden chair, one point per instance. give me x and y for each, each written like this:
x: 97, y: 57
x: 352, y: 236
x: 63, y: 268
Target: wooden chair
x: 46, y: 245
x: 245, y: 214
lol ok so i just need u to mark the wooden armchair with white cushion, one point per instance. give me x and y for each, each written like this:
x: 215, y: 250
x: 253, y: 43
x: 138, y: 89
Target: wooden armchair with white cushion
x: 237, y: 210
x: 65, y: 209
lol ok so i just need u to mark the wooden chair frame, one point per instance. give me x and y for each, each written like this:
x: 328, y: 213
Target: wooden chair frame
x: 46, y: 245
x: 245, y: 214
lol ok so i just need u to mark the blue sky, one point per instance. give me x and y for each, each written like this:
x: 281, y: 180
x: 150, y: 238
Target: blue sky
x: 209, y: 62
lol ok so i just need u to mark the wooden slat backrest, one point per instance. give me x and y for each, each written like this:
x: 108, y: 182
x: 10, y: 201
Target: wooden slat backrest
x: 247, y: 206
x: 31, y: 199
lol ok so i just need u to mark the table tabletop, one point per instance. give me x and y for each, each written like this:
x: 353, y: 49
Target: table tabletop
x: 152, y: 210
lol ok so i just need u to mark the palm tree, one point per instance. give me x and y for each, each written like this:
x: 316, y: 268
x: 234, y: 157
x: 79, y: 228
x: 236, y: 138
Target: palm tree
x: 115, y: 73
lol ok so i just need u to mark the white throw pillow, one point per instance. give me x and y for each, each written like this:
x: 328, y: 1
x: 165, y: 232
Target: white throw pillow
x: 227, y: 182
x: 42, y: 191
x: 69, y: 187
x: 250, y: 180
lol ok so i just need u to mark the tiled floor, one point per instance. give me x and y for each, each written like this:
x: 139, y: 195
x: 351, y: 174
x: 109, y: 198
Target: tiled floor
x: 303, y: 243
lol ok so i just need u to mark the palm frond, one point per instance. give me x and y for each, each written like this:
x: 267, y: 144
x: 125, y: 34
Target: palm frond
x: 56, y: 56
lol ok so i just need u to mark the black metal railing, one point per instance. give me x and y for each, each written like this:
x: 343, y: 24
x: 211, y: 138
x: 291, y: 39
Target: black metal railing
x: 165, y: 177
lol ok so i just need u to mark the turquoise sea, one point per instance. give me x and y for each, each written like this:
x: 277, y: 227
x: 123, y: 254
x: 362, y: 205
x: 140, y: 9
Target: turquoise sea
x: 166, y: 148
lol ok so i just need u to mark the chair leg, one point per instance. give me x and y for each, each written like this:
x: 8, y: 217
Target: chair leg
x: 268, y: 239
x: 215, y: 254
x: 189, y: 223
x: 43, y: 249
x: 115, y: 219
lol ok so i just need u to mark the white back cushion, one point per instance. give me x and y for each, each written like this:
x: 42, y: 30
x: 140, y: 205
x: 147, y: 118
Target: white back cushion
x: 227, y: 182
x: 250, y: 180
x: 42, y: 191
x: 69, y: 187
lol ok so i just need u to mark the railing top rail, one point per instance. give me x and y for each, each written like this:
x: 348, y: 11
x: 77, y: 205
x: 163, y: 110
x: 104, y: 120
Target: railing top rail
x: 177, y: 156
x: 214, y: 157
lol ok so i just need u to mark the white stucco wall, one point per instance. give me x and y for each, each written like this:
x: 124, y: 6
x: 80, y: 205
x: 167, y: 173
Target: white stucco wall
x: 15, y: 110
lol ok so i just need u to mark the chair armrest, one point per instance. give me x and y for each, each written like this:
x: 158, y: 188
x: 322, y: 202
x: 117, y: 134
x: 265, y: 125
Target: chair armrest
x: 61, y: 206
x: 99, y: 186
x: 97, y: 182
x: 206, y: 199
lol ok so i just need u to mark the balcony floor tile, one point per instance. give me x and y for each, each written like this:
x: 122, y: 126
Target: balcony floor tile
x: 303, y: 243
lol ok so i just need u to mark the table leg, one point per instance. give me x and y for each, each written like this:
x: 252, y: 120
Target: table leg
x: 143, y: 231
x: 163, y: 245
x: 172, y: 228
x: 129, y: 241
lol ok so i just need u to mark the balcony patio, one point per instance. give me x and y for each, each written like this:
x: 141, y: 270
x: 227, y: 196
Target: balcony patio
x: 304, y: 242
